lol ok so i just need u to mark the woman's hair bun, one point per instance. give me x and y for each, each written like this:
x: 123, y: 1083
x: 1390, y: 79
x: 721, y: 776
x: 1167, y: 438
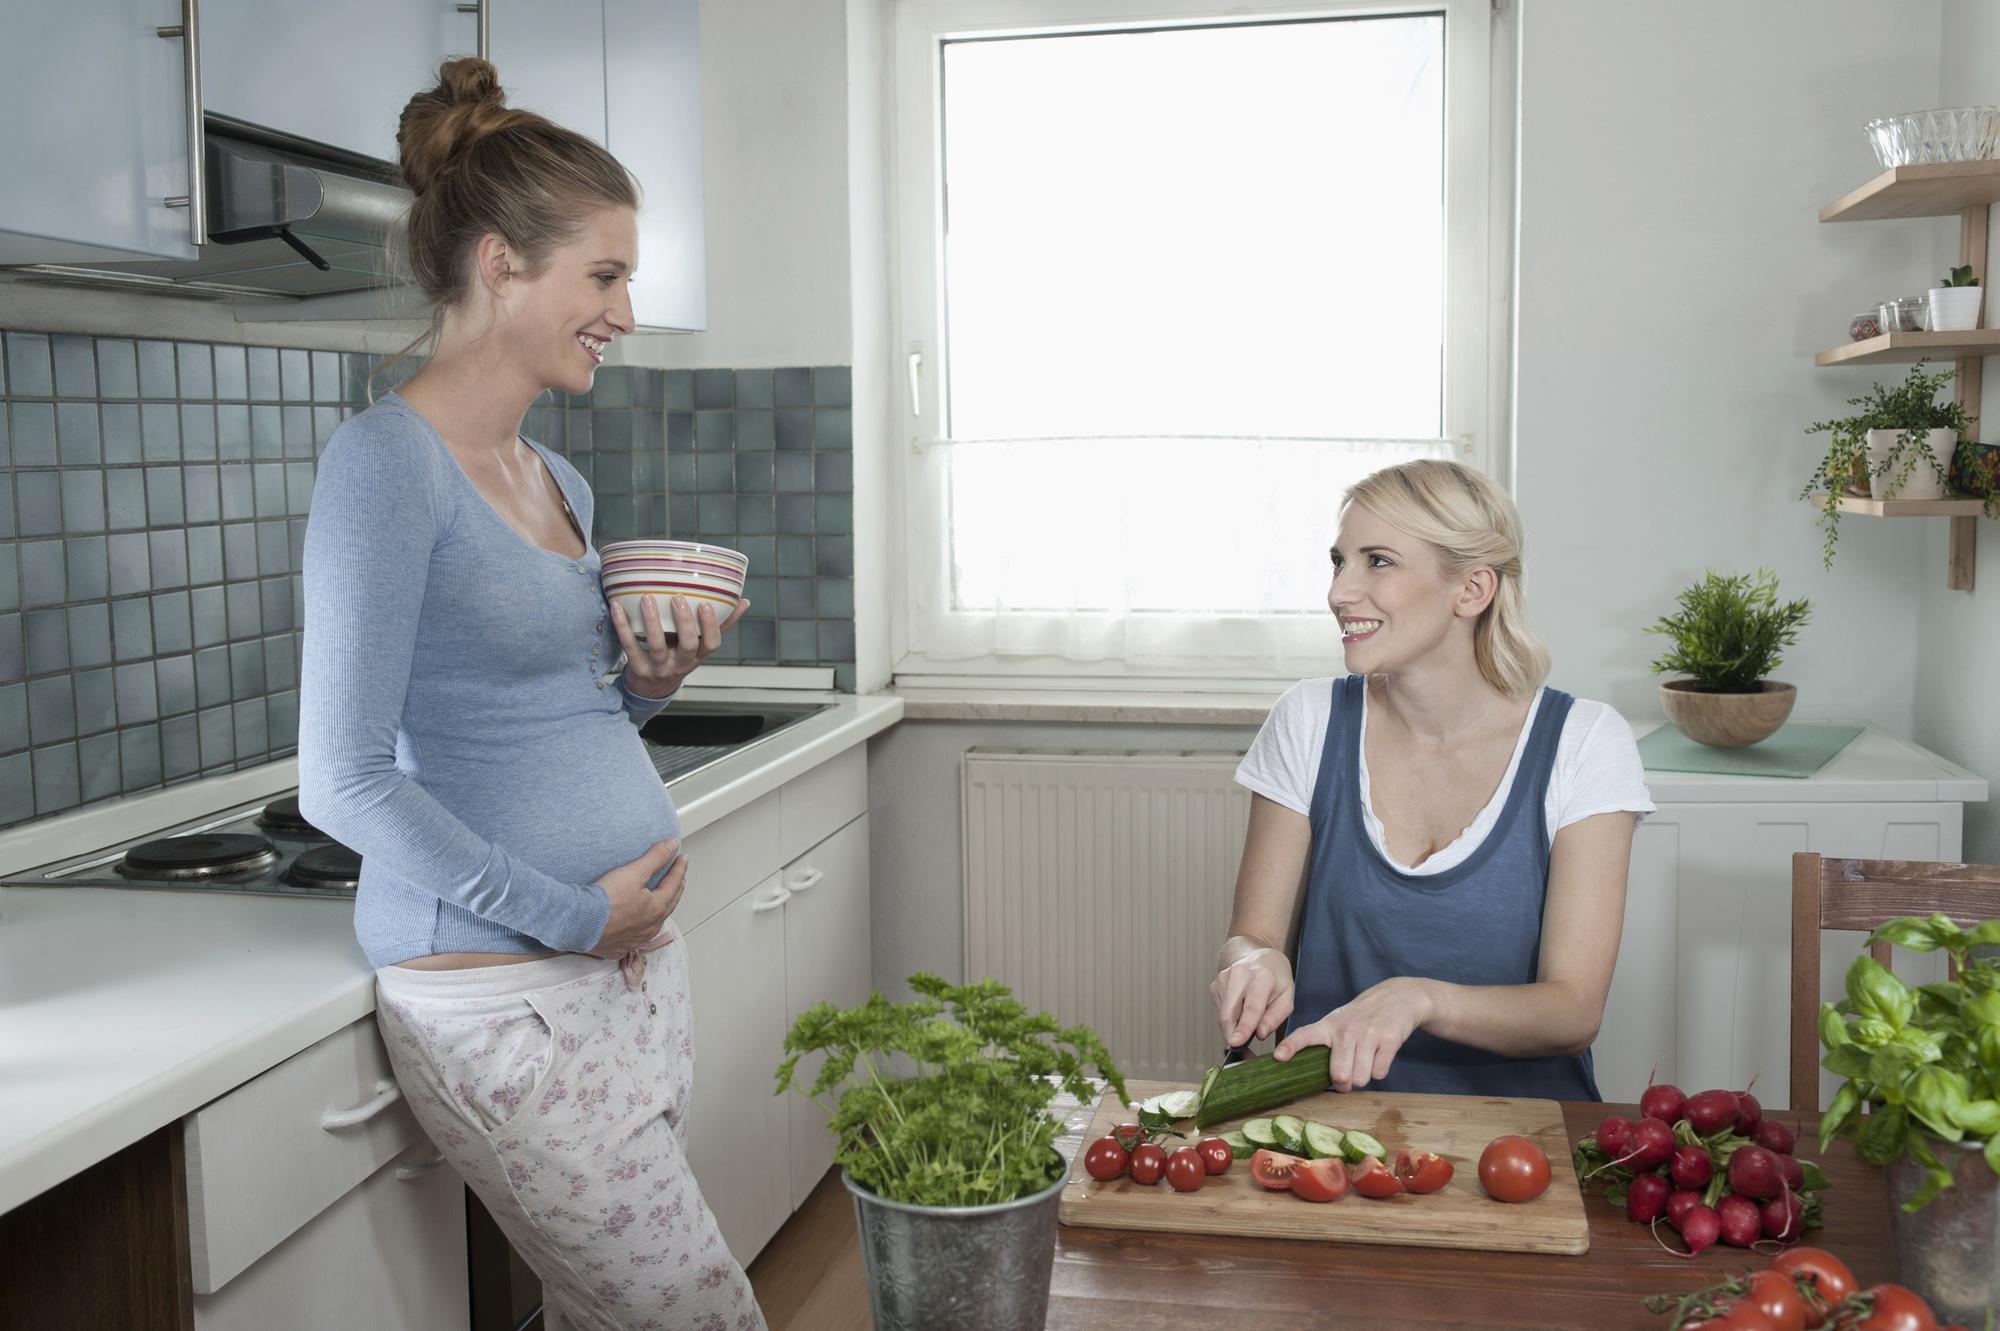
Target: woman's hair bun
x: 440, y: 124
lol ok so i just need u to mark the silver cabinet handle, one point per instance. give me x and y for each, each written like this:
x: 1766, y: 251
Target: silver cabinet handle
x: 196, y: 199
x: 916, y: 382
x: 775, y: 900
x: 386, y: 1094
x: 408, y: 1173
x: 807, y: 878
x: 485, y: 51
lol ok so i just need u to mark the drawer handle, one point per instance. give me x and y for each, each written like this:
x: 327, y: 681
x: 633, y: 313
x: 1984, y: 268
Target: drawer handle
x: 810, y: 878
x: 405, y: 1173
x: 386, y: 1094
x: 778, y: 898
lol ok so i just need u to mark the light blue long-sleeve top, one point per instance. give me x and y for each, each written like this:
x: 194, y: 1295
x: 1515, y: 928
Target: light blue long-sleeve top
x: 459, y: 721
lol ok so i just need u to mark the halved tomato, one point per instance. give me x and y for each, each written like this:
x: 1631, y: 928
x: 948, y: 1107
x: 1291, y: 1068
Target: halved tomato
x: 1421, y: 1171
x: 1373, y: 1179
x: 1274, y: 1169
x: 1320, y: 1180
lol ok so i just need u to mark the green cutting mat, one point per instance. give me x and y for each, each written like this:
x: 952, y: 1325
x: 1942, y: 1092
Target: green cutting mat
x: 1797, y: 750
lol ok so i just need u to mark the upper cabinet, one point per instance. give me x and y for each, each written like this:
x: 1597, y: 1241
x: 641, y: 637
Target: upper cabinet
x: 334, y: 74
x: 96, y: 101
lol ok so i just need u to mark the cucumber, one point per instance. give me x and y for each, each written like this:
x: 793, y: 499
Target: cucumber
x: 1174, y: 1105
x: 1291, y: 1134
x: 1240, y: 1146
x: 1261, y: 1083
x: 1258, y: 1132
x: 1322, y: 1142
x: 1357, y: 1146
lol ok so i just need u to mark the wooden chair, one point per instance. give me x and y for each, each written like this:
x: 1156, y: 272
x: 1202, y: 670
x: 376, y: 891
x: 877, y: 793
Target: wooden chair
x: 1864, y: 895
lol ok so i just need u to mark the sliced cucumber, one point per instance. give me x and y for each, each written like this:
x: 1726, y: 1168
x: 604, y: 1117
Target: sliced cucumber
x: 1173, y: 1104
x: 1291, y: 1133
x: 1259, y: 1132
x: 1240, y: 1146
x: 1357, y: 1146
x: 1322, y: 1142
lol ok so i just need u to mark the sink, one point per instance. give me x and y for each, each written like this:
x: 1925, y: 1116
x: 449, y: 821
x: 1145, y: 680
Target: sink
x: 689, y: 736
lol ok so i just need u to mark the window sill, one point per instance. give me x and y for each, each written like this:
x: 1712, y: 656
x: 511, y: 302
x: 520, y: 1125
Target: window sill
x: 1192, y: 708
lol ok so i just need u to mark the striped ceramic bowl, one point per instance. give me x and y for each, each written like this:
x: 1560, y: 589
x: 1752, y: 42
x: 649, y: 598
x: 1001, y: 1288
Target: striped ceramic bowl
x: 637, y: 571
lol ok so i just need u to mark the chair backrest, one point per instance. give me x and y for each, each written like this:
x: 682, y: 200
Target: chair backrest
x: 1865, y: 895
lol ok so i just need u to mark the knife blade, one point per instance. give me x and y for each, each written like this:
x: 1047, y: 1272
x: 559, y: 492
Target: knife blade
x: 1235, y: 1054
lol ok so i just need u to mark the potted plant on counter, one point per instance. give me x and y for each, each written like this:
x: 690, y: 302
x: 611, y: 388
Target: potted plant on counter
x: 1729, y: 635
x: 1955, y: 303
x: 1924, y: 1065
x: 1898, y: 445
x: 940, y: 1114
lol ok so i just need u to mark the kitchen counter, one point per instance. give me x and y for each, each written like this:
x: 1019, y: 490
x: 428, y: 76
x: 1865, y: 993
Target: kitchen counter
x: 123, y: 1010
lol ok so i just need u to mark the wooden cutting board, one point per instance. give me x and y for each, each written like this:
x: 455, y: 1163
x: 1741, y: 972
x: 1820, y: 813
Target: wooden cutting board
x: 1461, y: 1215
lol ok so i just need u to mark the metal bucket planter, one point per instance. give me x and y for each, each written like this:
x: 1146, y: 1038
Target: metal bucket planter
x: 1949, y: 1252
x: 959, y: 1268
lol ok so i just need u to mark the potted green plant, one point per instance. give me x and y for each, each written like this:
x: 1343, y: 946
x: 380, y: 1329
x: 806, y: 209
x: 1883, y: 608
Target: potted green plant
x: 1728, y: 636
x: 940, y: 1113
x: 1955, y: 302
x: 1896, y: 445
x: 1924, y: 1065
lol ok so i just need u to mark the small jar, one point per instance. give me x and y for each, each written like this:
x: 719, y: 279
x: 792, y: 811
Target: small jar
x: 1863, y: 326
x: 1911, y: 314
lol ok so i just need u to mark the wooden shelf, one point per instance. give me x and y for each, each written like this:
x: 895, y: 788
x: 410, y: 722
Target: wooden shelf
x: 1890, y: 347
x: 1907, y: 508
x: 1938, y: 190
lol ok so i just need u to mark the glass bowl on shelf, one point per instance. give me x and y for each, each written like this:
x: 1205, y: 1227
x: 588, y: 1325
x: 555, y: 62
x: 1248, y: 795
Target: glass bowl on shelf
x: 1910, y: 314
x: 1864, y: 326
x: 1948, y: 134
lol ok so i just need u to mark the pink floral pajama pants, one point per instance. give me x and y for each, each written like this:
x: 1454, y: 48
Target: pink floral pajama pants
x: 559, y: 1091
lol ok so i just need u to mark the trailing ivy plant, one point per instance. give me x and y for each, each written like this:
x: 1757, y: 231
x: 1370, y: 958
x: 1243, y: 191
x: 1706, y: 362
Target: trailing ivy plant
x: 1730, y: 632
x: 1911, y: 408
x: 1925, y: 1061
x: 970, y: 1125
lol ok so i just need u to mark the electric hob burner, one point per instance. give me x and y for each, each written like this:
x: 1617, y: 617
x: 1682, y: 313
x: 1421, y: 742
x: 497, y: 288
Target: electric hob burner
x: 207, y: 855
x: 325, y: 866
x: 283, y: 817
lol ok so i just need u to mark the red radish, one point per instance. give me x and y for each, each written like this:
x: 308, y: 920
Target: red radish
x: 1774, y: 1136
x: 1741, y: 1223
x: 1784, y: 1218
x: 1691, y: 1167
x: 1794, y: 1173
x: 1711, y: 1111
x: 1701, y: 1227
x: 1662, y: 1102
x: 1652, y: 1145
x: 1680, y: 1203
x: 1748, y: 1112
x: 1754, y: 1172
x: 1614, y: 1135
x: 1646, y: 1199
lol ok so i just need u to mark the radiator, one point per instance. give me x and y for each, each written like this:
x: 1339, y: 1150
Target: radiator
x: 1098, y: 888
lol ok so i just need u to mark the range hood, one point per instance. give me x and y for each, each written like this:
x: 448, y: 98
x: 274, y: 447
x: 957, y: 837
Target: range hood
x: 287, y: 219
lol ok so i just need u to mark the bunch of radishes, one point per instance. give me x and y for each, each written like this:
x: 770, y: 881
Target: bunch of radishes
x: 1711, y: 1164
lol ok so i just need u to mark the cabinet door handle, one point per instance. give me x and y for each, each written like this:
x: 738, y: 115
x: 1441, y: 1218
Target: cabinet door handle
x: 776, y: 899
x: 807, y: 878
x: 386, y: 1094
x: 485, y: 51
x: 195, y: 200
x: 406, y: 1173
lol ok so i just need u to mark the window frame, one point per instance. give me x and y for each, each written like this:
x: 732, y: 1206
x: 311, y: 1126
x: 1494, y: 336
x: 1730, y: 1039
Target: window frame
x: 1478, y: 123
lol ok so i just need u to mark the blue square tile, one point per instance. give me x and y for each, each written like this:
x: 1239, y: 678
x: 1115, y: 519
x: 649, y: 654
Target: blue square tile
x: 756, y: 515
x: 78, y: 442
x: 754, y: 472
x: 139, y: 756
x: 232, y: 432
x: 232, y: 374
x: 714, y: 390
x: 76, y: 366
x: 84, y: 560
x: 761, y: 551
x: 197, y: 370
x: 117, y: 367
x: 756, y: 429
x: 131, y: 565
x: 792, y: 388
x: 28, y: 372
x: 714, y: 473
x: 294, y: 375
x: 51, y: 709
x: 124, y: 498
x: 160, y: 425
x: 798, y: 640
x: 55, y: 779
x: 325, y: 420
x: 239, y: 492
x: 156, y: 370
x: 8, y: 528
x: 795, y: 557
x: 263, y: 374
x: 138, y: 700
x: 204, y: 545
x: 47, y: 636
x: 792, y: 429
x: 252, y: 740
x: 202, y: 489
x: 281, y: 712
x: 211, y: 619
x: 298, y: 488
x: 97, y: 767
x: 131, y: 629
x: 843, y: 678
x: 680, y: 472
x: 218, y: 737
x: 171, y: 629
x: 118, y: 423
x: 326, y: 376
x: 167, y: 553
x: 180, y: 748
x: 833, y: 514
x: 611, y: 430
x: 281, y: 661
x: 6, y: 441
x: 33, y: 430
x: 612, y: 387
x: 39, y: 494
x: 677, y: 390
x: 13, y: 718
x: 834, y: 556
x: 198, y: 438
x: 296, y: 430
x: 757, y: 639
x: 96, y: 705
x: 211, y: 676
x: 175, y: 677
x: 795, y: 514
x: 267, y: 432
x: 714, y: 430
x: 245, y: 608
x: 274, y: 597
x: 680, y: 431
x: 83, y: 501
x: 754, y: 388
x: 836, y: 642
x: 165, y: 506
x: 833, y: 473
x: 796, y: 598
x: 793, y: 472
x: 836, y: 598
x: 90, y: 634
x: 13, y: 658
x: 833, y: 428
x: 268, y: 489
x: 833, y: 386
x: 716, y: 516
x: 17, y: 789
x: 681, y: 516
x: 42, y: 578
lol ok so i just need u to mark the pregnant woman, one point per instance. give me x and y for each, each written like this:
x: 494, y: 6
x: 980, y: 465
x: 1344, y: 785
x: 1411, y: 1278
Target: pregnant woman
x: 465, y: 726
x: 1446, y: 838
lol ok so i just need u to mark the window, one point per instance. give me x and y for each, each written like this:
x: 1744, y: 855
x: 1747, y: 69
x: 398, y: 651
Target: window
x: 1169, y: 286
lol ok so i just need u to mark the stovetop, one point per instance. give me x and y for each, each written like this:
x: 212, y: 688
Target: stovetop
x: 266, y: 848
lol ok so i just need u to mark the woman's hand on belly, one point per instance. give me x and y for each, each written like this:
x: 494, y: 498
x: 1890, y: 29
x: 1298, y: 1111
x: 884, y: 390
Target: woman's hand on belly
x: 1364, y: 1036
x: 639, y: 911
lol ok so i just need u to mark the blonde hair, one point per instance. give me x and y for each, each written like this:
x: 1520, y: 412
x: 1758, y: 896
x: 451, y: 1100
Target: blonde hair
x: 1469, y: 521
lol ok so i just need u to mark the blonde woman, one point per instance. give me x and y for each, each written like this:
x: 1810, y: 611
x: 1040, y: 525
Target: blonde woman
x: 1445, y: 839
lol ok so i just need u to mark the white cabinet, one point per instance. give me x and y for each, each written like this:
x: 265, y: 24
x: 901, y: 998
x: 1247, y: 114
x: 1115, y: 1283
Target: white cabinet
x: 826, y: 961
x: 97, y: 132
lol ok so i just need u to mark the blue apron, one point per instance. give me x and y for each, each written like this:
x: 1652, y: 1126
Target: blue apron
x: 1477, y: 923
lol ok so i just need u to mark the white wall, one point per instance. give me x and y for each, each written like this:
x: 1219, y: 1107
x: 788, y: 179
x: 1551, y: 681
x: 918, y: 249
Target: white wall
x: 1958, y: 633
x: 774, y: 177
x: 877, y: 406
x: 1673, y: 285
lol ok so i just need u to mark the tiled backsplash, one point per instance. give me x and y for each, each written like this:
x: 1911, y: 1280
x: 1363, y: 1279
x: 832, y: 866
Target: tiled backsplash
x: 153, y: 501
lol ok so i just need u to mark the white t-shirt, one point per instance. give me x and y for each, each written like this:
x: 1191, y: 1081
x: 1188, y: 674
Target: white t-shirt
x: 1597, y: 768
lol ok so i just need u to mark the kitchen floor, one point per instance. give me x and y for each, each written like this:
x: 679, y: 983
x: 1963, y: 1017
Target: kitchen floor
x: 809, y: 1275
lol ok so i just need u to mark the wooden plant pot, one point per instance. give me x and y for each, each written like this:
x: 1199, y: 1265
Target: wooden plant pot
x: 1727, y: 720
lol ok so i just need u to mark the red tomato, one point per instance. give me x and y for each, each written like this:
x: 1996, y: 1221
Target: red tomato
x: 1105, y: 1160
x: 1828, y: 1273
x: 1274, y: 1169
x: 1373, y: 1180
x: 1148, y: 1163
x: 1320, y: 1180
x: 1185, y: 1170
x: 1777, y: 1296
x: 1737, y: 1317
x: 1513, y: 1169
x: 1216, y: 1157
x: 1130, y: 1135
x: 1422, y: 1171
x: 1897, y: 1309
